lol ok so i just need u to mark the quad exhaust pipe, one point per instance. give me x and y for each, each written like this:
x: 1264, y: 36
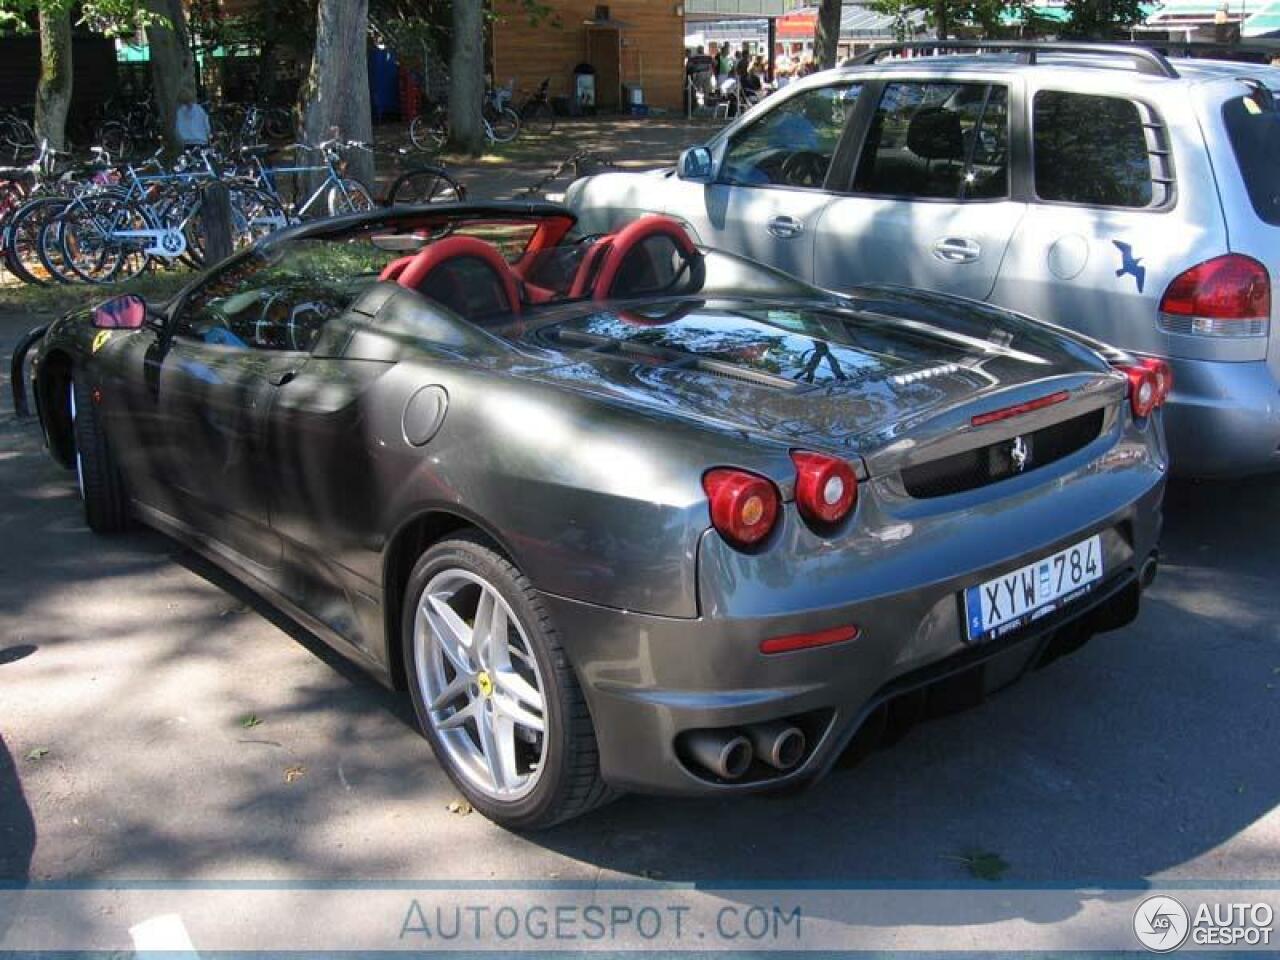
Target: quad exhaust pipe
x: 780, y: 745
x: 728, y: 753
x: 1149, y: 570
x: 723, y: 752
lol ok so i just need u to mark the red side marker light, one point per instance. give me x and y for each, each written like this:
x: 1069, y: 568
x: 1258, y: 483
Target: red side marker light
x: 808, y: 641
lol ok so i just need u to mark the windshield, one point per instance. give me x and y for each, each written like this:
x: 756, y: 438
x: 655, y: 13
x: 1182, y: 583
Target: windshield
x: 1253, y: 126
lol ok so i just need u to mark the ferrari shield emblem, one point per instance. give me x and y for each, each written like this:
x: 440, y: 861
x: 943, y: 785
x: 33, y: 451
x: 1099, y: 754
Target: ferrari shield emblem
x: 102, y: 337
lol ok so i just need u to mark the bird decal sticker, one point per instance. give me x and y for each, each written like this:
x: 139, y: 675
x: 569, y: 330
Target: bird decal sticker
x: 1130, y: 265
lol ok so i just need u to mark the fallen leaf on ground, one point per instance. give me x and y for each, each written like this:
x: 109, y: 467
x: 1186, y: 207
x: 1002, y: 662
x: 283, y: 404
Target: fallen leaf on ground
x: 37, y: 753
x: 249, y: 720
x: 983, y: 864
x: 460, y: 807
x: 296, y: 772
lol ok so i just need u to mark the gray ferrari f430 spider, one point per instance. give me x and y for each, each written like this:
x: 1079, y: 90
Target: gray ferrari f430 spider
x: 620, y: 513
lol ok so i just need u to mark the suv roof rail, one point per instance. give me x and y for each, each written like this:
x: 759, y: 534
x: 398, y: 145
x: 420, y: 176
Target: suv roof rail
x: 1144, y: 59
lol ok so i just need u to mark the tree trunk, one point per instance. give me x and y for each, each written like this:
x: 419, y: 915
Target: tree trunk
x: 826, y: 38
x: 941, y: 19
x: 336, y: 92
x: 53, y: 90
x: 173, y: 68
x: 466, y: 78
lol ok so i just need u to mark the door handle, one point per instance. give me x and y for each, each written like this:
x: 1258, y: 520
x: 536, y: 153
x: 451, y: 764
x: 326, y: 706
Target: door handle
x: 282, y: 378
x: 957, y: 250
x: 786, y: 228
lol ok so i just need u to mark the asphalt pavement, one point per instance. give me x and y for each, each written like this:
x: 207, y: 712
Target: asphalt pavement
x: 159, y: 723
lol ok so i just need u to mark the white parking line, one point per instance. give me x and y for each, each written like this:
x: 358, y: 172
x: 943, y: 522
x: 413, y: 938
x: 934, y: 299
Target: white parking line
x: 164, y: 936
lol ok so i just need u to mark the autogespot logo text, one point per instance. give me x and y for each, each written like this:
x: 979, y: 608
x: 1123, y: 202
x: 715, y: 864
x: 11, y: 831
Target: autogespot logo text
x: 1161, y: 924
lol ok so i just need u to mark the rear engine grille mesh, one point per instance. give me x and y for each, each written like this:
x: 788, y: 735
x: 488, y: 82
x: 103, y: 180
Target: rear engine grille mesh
x: 998, y: 461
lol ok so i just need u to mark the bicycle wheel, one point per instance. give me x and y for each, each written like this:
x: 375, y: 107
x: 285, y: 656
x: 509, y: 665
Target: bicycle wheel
x: 22, y: 251
x: 18, y: 140
x: 113, y: 136
x: 355, y: 199
x: 49, y: 249
x: 255, y: 214
x: 538, y: 118
x: 430, y: 131
x: 504, y: 124
x: 278, y: 124
x: 425, y: 185
x: 91, y: 245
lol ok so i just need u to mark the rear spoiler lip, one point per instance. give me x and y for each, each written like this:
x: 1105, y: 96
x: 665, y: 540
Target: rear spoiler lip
x: 17, y: 377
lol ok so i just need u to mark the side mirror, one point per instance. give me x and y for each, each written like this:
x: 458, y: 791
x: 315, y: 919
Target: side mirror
x: 696, y: 164
x: 126, y: 312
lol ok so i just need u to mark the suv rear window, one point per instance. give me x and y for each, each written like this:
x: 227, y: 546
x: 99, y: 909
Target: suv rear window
x: 1253, y: 126
x: 1092, y: 149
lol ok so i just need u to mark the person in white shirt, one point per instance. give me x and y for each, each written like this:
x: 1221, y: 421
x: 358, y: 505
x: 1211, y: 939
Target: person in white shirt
x: 192, y: 122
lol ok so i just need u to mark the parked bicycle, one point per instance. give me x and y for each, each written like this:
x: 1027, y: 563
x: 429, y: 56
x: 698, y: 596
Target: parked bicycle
x: 536, y: 113
x: 430, y: 129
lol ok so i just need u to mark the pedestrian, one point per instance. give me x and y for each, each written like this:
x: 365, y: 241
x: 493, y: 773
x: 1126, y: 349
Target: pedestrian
x: 192, y: 122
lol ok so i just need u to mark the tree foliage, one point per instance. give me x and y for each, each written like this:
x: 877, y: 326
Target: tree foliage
x: 112, y: 18
x: 1100, y: 18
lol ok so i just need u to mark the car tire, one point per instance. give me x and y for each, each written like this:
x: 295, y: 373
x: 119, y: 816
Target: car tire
x: 106, y: 507
x: 568, y: 782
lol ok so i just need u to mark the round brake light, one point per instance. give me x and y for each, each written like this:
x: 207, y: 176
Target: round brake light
x: 1144, y: 391
x: 826, y: 487
x: 744, y: 506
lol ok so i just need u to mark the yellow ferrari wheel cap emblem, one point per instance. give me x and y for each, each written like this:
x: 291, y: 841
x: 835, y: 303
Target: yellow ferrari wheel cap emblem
x: 485, y: 684
x: 102, y: 337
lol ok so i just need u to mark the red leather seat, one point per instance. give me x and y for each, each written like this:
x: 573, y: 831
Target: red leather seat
x: 599, y: 270
x: 450, y: 270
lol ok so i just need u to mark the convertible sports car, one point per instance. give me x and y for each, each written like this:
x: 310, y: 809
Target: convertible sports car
x: 619, y: 512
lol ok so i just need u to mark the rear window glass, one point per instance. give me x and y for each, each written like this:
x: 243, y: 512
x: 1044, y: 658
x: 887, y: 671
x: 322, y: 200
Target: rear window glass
x: 1253, y: 127
x: 1091, y: 149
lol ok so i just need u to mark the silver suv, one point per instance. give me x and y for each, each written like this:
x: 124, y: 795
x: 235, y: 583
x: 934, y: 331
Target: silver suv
x: 1103, y: 188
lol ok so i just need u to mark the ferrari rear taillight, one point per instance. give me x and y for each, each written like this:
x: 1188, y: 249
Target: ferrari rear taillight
x: 826, y: 487
x: 1228, y: 296
x: 1150, y: 381
x: 744, y: 506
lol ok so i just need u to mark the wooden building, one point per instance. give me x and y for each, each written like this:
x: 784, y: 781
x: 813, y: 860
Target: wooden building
x: 631, y: 43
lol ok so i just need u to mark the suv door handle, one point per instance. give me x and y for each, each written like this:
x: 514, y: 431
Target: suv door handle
x: 957, y: 250
x: 786, y: 228
x: 282, y: 378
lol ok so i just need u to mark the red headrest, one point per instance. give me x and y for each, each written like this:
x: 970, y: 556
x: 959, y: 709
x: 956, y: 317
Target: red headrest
x: 628, y: 239
x: 415, y: 275
x: 393, y: 269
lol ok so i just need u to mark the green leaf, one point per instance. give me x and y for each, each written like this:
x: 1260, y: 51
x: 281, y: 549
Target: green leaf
x: 249, y: 721
x: 37, y: 753
x: 983, y: 864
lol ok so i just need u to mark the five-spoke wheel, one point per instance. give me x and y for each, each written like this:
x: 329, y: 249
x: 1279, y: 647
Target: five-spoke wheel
x: 493, y: 689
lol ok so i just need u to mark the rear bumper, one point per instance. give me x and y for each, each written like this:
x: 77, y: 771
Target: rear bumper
x: 1223, y: 419
x: 648, y: 679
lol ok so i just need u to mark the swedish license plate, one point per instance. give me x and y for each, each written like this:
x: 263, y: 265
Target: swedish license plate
x: 1022, y: 596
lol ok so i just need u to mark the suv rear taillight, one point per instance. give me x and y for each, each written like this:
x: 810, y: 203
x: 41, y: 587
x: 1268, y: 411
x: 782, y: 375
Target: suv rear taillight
x: 744, y: 506
x: 1150, y: 381
x: 1228, y: 296
x: 826, y: 487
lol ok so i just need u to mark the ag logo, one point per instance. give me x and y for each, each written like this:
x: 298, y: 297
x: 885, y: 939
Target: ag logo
x: 1161, y: 924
